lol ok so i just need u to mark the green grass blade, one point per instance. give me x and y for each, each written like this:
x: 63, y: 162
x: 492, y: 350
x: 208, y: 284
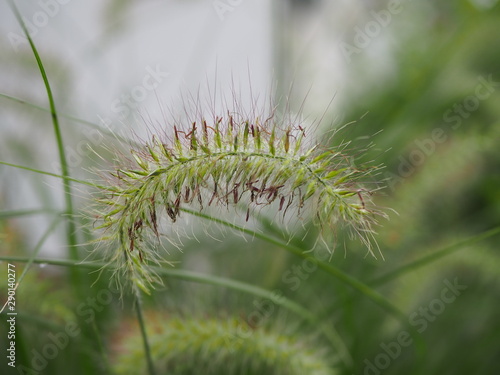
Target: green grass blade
x: 434, y: 257
x: 72, y: 118
x: 68, y: 198
x: 32, y: 105
x: 4, y: 215
x: 66, y: 178
x: 38, y: 246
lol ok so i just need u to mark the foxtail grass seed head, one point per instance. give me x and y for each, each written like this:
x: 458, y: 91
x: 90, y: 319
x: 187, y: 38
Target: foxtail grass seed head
x: 226, y: 161
x: 212, y: 346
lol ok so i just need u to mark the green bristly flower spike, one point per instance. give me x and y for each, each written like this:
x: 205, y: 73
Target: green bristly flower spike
x: 219, y: 347
x: 226, y: 162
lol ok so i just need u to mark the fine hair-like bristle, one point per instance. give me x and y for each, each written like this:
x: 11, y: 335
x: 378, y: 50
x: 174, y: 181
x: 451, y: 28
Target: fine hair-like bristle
x: 228, y: 160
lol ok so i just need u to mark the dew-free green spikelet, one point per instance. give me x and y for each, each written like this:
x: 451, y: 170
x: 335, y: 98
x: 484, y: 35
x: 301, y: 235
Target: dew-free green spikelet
x: 226, y: 162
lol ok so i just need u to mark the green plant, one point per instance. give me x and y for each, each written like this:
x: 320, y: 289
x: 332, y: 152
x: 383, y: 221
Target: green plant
x: 224, y: 162
x: 336, y: 313
x: 185, y: 345
x: 264, y: 162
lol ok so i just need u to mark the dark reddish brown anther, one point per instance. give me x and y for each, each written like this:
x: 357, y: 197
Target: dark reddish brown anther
x: 361, y: 198
x: 287, y: 141
x: 272, y: 192
x: 177, y: 204
x: 192, y: 133
x: 235, y: 192
x: 290, y: 201
x: 249, y: 186
x: 138, y: 225
x: 200, y: 200
x: 153, y: 217
x: 214, y: 194
x: 171, y: 213
x: 205, y: 131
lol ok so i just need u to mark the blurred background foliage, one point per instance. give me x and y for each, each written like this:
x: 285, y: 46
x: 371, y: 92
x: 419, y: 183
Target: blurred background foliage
x: 426, y: 64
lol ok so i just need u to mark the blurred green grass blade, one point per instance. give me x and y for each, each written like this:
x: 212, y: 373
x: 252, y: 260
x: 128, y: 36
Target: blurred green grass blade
x: 398, y: 272
x: 52, y: 174
x: 32, y: 105
x: 68, y: 198
x: 75, y: 277
x: 38, y: 247
x: 53, y: 262
x: 30, y: 212
x: 72, y: 118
